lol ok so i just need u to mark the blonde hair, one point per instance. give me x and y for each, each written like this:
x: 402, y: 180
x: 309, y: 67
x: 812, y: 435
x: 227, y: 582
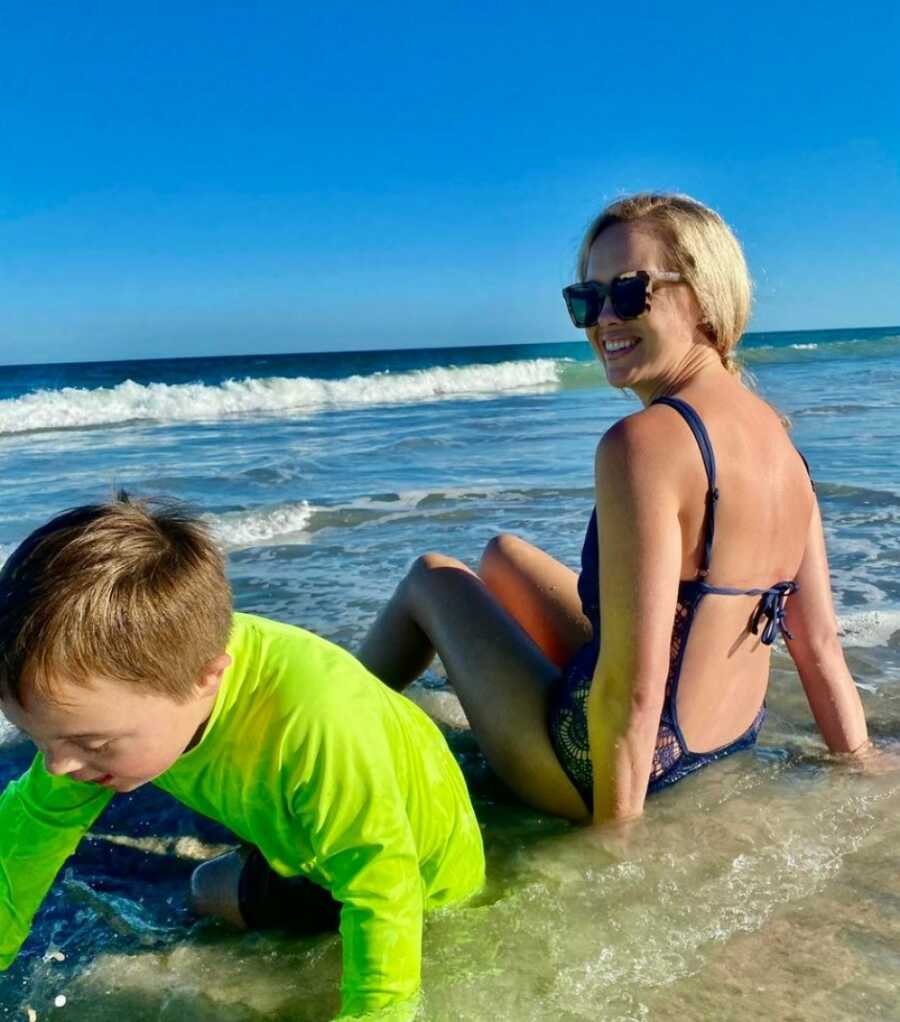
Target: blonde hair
x: 133, y: 592
x: 701, y: 247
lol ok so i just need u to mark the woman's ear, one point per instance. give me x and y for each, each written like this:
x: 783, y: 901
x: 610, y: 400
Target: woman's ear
x: 708, y: 330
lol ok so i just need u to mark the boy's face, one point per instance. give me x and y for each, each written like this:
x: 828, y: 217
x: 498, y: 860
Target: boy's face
x: 113, y: 734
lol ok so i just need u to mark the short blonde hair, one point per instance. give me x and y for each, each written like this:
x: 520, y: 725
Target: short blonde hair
x: 133, y: 592
x: 701, y: 247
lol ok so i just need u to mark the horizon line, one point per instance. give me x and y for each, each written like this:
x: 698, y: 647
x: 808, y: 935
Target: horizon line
x: 375, y: 351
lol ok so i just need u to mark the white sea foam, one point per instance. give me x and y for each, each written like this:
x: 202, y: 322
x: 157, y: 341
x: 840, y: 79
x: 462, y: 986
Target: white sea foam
x: 868, y: 628
x: 8, y: 734
x: 296, y: 522
x: 73, y: 407
x: 253, y: 528
x: 291, y: 523
x: 856, y: 348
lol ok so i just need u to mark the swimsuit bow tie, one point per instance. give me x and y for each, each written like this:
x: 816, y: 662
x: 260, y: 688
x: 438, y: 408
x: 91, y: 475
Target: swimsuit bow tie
x: 771, y: 607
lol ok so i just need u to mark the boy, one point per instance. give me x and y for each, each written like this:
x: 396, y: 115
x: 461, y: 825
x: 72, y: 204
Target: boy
x: 122, y: 659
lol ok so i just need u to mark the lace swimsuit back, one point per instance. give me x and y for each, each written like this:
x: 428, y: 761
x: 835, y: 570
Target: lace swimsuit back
x: 672, y: 758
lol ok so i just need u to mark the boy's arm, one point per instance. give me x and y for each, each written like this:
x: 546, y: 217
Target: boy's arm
x: 365, y: 853
x: 42, y: 819
x: 381, y: 924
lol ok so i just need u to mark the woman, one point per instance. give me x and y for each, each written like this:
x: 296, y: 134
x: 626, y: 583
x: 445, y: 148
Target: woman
x: 705, y: 516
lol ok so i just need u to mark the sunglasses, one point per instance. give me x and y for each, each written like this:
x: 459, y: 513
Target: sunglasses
x: 628, y: 294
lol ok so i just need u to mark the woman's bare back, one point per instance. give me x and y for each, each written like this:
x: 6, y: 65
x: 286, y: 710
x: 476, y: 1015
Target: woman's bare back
x: 762, y: 519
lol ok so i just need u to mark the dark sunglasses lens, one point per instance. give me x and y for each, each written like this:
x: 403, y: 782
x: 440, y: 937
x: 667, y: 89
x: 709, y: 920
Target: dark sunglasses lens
x: 629, y: 296
x: 584, y: 305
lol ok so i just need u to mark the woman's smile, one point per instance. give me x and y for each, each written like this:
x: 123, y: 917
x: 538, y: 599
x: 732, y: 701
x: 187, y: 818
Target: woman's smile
x: 617, y: 345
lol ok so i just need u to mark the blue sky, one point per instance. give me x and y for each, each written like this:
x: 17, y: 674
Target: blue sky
x: 199, y: 179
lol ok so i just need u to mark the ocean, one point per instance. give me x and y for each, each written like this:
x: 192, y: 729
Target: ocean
x: 767, y: 885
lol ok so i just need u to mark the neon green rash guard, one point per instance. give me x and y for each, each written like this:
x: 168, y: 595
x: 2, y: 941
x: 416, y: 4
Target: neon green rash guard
x: 326, y: 770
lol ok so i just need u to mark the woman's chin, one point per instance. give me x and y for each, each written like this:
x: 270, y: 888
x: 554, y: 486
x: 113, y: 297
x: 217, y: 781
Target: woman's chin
x: 618, y: 376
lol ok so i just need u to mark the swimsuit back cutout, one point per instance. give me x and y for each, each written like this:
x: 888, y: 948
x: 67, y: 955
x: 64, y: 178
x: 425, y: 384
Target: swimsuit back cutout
x: 672, y: 757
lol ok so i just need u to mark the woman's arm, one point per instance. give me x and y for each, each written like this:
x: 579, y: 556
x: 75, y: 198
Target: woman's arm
x: 817, y: 652
x: 640, y: 564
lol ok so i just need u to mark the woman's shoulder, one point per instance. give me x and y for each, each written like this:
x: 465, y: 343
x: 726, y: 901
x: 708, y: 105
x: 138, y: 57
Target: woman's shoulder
x: 655, y: 445
x: 643, y: 448
x: 723, y: 413
x: 749, y: 440
x: 649, y: 433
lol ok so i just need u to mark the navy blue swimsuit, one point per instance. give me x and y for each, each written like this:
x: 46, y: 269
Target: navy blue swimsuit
x: 672, y: 759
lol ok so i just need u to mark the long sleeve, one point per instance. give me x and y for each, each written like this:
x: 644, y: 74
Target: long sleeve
x: 42, y: 819
x: 365, y: 853
x: 343, y: 781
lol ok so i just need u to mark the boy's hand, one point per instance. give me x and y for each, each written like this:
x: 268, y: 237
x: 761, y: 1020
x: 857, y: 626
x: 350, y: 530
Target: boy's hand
x: 403, y: 1011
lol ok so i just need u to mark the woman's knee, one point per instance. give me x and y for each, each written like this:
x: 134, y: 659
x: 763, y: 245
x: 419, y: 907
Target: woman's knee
x: 427, y: 564
x: 430, y: 570
x: 500, y: 552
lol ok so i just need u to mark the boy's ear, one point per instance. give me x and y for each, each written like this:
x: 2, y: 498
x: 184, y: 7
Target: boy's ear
x: 211, y: 677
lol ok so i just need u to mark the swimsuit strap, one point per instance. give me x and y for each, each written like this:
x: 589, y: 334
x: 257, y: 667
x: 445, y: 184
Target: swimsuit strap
x: 812, y: 481
x: 693, y: 420
x: 770, y: 606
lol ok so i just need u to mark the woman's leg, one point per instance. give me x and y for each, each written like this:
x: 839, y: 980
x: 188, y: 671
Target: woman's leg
x: 539, y: 592
x: 535, y: 589
x: 502, y: 678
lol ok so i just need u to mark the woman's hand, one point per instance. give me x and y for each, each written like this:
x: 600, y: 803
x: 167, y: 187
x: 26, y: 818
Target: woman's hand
x: 872, y: 760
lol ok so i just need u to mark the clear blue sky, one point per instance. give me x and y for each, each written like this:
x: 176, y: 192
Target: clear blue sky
x: 206, y: 178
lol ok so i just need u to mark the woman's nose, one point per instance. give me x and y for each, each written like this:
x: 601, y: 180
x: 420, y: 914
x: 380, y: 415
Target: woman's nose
x: 607, y: 313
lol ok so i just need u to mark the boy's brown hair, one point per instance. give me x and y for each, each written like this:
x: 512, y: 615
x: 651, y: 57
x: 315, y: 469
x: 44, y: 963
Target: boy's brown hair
x: 130, y: 591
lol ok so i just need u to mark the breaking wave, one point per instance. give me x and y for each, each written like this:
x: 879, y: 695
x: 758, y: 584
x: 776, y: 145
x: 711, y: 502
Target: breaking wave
x: 77, y: 408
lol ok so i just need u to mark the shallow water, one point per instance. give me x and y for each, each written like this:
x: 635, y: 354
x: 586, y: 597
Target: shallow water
x: 765, y: 886
x: 772, y: 877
